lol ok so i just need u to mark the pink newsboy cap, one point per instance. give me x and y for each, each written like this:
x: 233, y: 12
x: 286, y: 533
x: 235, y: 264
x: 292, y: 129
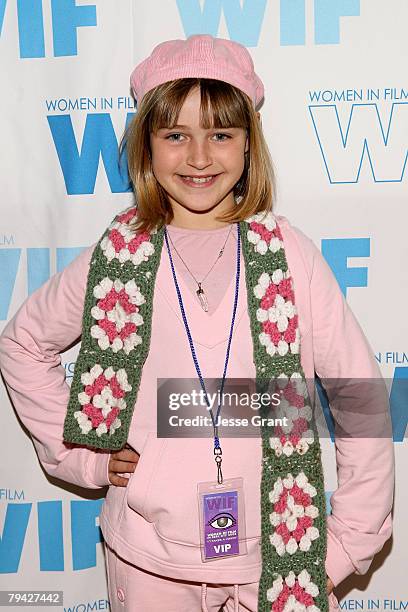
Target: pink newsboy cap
x: 200, y: 55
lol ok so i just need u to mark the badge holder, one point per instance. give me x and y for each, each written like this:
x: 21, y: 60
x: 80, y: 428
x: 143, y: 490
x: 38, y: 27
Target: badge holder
x: 222, y: 519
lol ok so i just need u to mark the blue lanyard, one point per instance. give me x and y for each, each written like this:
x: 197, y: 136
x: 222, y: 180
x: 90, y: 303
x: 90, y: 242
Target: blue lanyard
x: 217, y: 447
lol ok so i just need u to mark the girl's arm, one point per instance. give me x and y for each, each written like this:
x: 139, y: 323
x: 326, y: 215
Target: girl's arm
x: 360, y: 521
x: 44, y: 326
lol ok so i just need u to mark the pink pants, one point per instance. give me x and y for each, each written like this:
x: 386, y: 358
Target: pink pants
x: 132, y: 589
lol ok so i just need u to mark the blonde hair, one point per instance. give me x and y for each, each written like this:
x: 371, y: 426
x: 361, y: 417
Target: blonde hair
x: 222, y: 106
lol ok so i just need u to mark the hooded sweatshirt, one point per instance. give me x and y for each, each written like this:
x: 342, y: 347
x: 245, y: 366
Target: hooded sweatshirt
x: 153, y: 522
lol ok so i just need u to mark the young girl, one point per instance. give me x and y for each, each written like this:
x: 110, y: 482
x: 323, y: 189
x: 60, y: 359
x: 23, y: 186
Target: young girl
x: 202, y: 280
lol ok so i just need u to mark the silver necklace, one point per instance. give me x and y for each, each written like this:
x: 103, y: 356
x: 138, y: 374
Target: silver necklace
x: 202, y: 298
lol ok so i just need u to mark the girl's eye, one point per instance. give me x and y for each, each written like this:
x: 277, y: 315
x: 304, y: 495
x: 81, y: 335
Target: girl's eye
x: 170, y: 137
x: 224, y: 137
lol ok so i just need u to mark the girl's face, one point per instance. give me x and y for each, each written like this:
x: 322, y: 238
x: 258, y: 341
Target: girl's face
x: 188, y: 151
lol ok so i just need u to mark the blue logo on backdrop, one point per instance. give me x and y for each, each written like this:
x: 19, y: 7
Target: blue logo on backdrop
x: 38, y: 270
x: 80, y: 162
x: 85, y: 535
x: 88, y: 606
x: 244, y: 22
x: 66, y: 18
x: 99, y: 141
x: 244, y: 19
x: 373, y: 604
x: 365, y: 138
x: 336, y: 251
x: 397, y: 402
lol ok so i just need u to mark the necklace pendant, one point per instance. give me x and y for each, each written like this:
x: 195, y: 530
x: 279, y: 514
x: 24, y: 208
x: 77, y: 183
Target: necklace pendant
x: 202, y: 298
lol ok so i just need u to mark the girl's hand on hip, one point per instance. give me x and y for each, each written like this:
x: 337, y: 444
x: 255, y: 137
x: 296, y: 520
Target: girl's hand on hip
x: 122, y: 461
x: 330, y: 586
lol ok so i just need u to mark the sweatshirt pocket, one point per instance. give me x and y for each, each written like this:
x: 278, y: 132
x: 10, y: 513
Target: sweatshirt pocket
x: 165, y: 492
x: 143, y: 478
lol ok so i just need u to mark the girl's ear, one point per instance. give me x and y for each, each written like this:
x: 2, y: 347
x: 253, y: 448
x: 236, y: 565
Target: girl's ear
x: 247, y: 141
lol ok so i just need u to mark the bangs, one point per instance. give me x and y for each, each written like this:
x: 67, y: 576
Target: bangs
x: 222, y: 105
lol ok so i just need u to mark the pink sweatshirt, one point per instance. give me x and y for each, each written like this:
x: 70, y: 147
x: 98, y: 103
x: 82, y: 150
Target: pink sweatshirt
x: 153, y: 522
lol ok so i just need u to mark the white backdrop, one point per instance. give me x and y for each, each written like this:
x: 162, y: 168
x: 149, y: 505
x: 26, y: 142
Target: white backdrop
x: 336, y: 120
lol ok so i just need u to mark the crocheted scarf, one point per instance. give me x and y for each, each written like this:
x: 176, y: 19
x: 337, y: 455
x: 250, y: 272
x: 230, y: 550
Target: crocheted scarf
x: 116, y: 334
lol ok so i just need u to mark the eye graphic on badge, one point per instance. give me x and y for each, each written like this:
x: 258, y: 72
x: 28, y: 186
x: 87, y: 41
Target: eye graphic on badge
x: 222, y: 521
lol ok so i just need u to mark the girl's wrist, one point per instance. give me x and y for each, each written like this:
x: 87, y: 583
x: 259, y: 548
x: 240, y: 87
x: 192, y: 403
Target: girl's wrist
x: 330, y: 585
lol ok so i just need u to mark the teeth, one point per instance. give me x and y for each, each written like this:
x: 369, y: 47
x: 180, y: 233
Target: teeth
x: 198, y: 180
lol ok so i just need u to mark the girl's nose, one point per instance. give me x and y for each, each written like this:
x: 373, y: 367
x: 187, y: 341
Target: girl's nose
x: 199, y: 155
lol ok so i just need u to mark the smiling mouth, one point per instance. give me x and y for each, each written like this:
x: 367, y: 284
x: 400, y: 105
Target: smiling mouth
x: 199, y: 181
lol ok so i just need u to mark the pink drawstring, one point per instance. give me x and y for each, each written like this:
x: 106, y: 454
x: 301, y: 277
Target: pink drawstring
x: 236, y: 598
x: 203, y: 597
